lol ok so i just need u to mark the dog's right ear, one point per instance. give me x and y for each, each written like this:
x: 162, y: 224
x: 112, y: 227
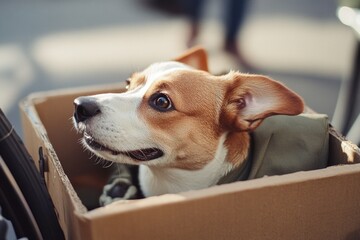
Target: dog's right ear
x: 252, y: 98
x: 195, y: 57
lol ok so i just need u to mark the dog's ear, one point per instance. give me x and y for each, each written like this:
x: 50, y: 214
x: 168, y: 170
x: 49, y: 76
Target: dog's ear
x: 250, y: 99
x: 195, y: 57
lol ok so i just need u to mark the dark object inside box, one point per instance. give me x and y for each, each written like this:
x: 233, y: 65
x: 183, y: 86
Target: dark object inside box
x: 281, y: 145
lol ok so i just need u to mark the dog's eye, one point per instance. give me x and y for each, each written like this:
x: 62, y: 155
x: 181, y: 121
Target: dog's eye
x: 161, y: 102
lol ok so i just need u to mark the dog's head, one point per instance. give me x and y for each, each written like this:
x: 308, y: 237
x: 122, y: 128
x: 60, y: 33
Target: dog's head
x: 175, y: 114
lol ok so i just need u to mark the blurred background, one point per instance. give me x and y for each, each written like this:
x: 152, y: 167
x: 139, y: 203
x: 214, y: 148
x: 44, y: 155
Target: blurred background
x: 47, y: 45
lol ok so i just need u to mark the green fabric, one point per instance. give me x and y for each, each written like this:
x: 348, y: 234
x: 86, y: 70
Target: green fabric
x: 285, y: 144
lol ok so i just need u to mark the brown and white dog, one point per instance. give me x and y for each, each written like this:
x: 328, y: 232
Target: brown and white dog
x: 185, y: 127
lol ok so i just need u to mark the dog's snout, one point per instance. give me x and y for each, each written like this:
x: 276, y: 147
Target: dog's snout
x: 85, y: 108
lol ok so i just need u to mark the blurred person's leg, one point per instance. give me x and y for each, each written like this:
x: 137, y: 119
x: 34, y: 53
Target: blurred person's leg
x: 193, y: 9
x: 235, y: 12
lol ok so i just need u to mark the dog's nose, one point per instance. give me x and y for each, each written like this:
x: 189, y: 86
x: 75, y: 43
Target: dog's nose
x: 85, y: 108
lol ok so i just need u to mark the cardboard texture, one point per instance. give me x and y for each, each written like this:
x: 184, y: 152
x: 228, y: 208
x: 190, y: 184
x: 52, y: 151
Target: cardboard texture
x: 320, y: 204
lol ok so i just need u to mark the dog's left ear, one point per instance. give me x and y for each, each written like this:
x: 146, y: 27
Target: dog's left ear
x: 252, y: 98
x: 195, y: 57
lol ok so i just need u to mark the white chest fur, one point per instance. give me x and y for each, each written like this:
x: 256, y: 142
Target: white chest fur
x: 156, y: 181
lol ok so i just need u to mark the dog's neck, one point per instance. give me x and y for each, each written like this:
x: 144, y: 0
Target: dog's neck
x: 157, y: 181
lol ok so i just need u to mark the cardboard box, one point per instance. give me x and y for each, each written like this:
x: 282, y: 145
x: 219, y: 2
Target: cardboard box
x: 319, y: 204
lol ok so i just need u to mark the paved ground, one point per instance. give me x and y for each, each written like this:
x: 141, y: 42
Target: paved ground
x: 61, y: 44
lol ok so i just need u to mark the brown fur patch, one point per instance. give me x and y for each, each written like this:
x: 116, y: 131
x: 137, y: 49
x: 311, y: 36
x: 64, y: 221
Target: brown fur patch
x: 191, y: 130
x: 238, y: 144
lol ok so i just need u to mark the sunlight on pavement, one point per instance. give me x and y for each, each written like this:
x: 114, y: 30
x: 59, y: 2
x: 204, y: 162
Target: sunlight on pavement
x: 274, y: 44
x: 299, y: 45
x: 124, y: 48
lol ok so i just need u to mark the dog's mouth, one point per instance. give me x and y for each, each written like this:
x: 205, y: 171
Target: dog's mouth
x: 145, y: 154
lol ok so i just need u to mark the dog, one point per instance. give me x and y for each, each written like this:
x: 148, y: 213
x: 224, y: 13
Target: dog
x: 183, y: 126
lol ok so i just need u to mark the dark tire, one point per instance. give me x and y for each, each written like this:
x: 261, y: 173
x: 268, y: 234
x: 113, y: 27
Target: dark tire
x: 30, y: 182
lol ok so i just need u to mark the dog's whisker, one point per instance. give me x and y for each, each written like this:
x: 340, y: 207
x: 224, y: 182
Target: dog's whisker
x: 108, y: 164
x: 92, y: 155
x: 97, y: 160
